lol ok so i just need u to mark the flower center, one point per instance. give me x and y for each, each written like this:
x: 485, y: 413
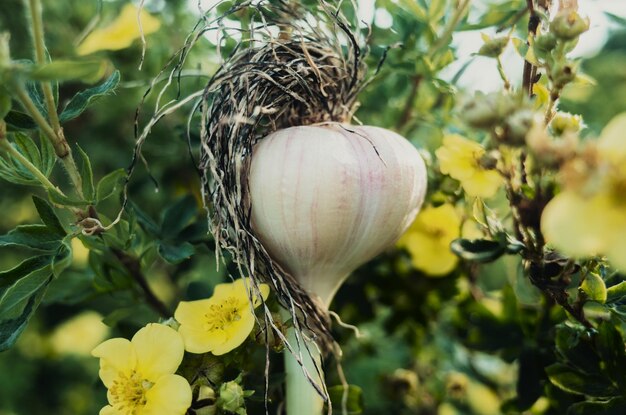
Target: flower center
x: 222, y: 315
x: 128, y: 393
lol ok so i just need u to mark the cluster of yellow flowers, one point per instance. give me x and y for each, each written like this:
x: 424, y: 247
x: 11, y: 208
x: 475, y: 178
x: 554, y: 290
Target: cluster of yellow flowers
x: 140, y: 374
x: 428, y: 239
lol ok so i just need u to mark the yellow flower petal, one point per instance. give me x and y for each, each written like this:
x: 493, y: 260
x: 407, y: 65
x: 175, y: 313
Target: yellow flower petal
x: 612, y: 141
x: 189, y: 313
x: 109, y: 410
x: 577, y: 225
x: 159, y: 349
x: 120, y: 33
x: 236, y: 334
x: 616, y: 251
x: 483, y: 183
x: 116, y: 356
x: 200, y: 340
x: 428, y: 239
x: 170, y: 395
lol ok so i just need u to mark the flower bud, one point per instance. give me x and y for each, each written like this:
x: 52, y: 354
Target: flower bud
x: 563, y: 74
x: 493, y: 48
x: 544, y: 44
x: 568, y: 25
x: 564, y: 121
x: 231, y: 397
x: 486, y: 111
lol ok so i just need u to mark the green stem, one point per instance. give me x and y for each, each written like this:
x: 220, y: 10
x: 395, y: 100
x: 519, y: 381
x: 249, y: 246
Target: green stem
x: 302, y: 398
x: 29, y: 166
x: 507, y: 84
x: 40, y: 58
x: 61, y: 148
x: 446, y: 36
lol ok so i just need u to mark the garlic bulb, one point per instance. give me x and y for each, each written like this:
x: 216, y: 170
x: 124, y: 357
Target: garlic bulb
x: 326, y: 199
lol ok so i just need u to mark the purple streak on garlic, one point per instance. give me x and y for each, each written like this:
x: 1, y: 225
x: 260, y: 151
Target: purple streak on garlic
x: 326, y: 199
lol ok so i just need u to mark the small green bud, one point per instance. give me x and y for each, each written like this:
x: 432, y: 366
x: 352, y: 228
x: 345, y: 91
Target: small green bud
x: 232, y: 397
x: 493, y: 48
x: 544, y: 44
x: 563, y: 74
x: 564, y: 121
x: 594, y: 287
x: 486, y: 111
x: 568, y: 25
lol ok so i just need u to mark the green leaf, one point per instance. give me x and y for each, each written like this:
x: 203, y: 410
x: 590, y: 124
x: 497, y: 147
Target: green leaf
x: 615, y: 406
x: 86, y: 173
x: 38, y: 237
x: 570, y: 380
x: 28, y: 148
x: 48, y: 156
x: 610, y: 346
x: 48, y: 217
x: 175, y: 253
x: 59, y: 199
x: 178, y: 216
x: 110, y: 184
x: 616, y: 292
x: 146, y: 221
x: 83, y: 99
x: 354, y: 403
x: 478, y: 250
x: 10, y: 329
x: 17, y: 120
x: 88, y: 71
x: 594, y: 287
x: 11, y: 276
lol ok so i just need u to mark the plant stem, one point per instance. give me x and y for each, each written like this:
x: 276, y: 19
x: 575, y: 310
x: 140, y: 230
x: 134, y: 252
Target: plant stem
x: 40, y: 58
x: 134, y: 269
x: 302, y: 398
x: 61, y: 147
x: 29, y: 166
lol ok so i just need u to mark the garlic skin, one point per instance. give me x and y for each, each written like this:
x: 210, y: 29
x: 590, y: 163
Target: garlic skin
x: 326, y: 199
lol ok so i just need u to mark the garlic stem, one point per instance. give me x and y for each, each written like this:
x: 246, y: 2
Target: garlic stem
x: 301, y: 396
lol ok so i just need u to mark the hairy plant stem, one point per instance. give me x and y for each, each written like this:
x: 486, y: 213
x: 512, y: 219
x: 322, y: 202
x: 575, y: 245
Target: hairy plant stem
x: 61, y: 147
x: 40, y: 58
x: 52, y: 130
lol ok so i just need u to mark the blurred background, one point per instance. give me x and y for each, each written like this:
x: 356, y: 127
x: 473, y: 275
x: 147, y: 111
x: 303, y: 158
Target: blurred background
x: 446, y: 345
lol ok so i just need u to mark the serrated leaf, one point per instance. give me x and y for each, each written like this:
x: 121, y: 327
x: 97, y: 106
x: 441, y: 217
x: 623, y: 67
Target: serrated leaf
x: 48, y: 217
x: 11, y: 276
x: 86, y: 173
x: 88, y: 71
x: 83, y: 99
x: 110, y: 184
x: 175, y: 253
x: 178, y: 216
x: 570, y: 380
x: 38, y: 237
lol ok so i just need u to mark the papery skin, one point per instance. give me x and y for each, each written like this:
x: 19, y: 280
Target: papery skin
x: 326, y: 199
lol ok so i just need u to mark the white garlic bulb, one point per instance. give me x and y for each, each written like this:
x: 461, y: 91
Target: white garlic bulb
x: 326, y: 199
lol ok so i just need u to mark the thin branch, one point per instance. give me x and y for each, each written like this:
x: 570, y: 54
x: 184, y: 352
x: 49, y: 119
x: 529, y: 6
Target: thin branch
x: 133, y: 266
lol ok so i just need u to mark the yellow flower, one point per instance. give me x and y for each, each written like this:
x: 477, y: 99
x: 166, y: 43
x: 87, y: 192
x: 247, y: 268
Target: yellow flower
x: 80, y: 334
x: 589, y: 218
x: 428, y: 239
x: 221, y: 323
x: 139, y: 374
x: 460, y: 158
x: 121, y: 32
